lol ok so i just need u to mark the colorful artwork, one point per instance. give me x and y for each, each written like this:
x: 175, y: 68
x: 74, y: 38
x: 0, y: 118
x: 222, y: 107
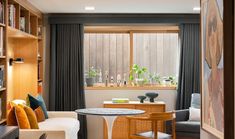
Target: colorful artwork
x: 212, y: 67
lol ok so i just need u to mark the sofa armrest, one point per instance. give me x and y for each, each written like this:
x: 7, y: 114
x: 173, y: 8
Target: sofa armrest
x: 182, y: 115
x: 36, y: 133
x: 56, y: 114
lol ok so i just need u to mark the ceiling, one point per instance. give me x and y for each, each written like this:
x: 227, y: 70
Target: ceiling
x: 117, y: 6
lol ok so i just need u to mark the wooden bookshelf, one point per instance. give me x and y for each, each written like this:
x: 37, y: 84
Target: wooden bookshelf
x: 18, y: 42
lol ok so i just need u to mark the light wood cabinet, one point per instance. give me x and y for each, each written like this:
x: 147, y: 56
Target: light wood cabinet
x: 120, y: 125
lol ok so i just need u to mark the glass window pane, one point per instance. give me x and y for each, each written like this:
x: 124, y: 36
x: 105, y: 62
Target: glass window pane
x: 158, y: 52
x: 108, y: 52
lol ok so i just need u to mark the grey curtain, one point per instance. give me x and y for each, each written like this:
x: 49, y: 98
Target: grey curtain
x: 66, y: 72
x: 189, y: 73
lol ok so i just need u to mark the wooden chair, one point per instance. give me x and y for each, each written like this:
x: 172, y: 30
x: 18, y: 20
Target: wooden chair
x: 153, y: 134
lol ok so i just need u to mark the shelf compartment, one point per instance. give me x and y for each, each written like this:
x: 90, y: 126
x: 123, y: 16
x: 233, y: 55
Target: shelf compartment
x: 15, y: 33
x: 2, y: 121
x: 2, y: 89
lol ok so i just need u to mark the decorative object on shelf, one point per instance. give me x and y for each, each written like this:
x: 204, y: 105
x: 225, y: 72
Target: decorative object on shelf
x: 2, y: 72
x: 141, y: 98
x: 18, y: 60
x: 1, y: 12
x: 111, y: 81
x: 100, y: 77
x: 151, y: 96
x: 12, y: 15
x: 120, y: 100
x: 106, y: 78
x: 1, y: 42
x: 22, y: 23
x: 0, y: 109
x: 119, y: 80
x: 90, y: 79
x: 124, y: 80
x: 139, y: 74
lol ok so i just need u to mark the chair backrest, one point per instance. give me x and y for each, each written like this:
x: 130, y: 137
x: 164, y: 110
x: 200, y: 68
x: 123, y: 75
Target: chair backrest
x: 196, y: 100
x: 162, y: 116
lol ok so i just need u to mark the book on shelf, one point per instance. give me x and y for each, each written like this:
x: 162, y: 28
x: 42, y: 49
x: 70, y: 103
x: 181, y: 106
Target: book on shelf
x: 0, y: 109
x: 12, y: 15
x: 22, y: 23
x: 1, y: 41
x: 2, y: 72
x: 1, y: 12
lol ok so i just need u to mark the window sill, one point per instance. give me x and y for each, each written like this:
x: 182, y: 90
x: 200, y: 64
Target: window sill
x: 155, y: 87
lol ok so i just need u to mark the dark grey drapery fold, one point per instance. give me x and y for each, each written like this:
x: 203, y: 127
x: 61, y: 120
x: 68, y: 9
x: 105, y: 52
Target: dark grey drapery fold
x: 189, y: 73
x: 66, y: 73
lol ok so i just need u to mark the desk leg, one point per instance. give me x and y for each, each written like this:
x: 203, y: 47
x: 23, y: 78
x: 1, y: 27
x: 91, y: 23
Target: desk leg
x: 109, y: 122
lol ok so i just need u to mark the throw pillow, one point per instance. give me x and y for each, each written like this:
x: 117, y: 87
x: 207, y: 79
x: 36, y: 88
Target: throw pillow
x: 21, y: 118
x: 44, y: 108
x: 39, y: 114
x: 31, y: 117
x: 11, y: 118
x: 194, y: 114
x: 35, y: 103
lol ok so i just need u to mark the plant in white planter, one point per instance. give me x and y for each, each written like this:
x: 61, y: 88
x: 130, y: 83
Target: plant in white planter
x: 139, y: 72
x: 91, y: 75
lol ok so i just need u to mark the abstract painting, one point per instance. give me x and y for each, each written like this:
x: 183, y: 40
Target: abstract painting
x: 212, y: 67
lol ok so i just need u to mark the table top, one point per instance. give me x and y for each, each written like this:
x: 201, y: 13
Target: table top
x: 109, y: 111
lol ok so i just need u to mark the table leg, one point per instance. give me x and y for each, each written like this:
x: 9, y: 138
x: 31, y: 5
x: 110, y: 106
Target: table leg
x: 109, y: 122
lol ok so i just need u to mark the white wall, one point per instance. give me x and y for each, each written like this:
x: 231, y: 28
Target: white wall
x: 95, y: 98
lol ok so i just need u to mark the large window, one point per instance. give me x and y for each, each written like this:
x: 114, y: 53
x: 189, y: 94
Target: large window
x: 115, y: 52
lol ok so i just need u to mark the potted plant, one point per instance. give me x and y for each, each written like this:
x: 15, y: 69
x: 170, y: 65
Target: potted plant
x: 90, y: 79
x: 154, y: 78
x: 139, y: 72
x: 172, y: 79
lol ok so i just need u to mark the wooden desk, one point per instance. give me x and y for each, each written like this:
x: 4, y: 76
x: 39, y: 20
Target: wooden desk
x: 120, y: 125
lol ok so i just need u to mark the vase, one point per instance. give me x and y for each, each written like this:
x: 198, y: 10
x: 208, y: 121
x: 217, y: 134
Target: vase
x: 141, y: 98
x: 139, y: 81
x: 151, y: 96
x: 90, y: 81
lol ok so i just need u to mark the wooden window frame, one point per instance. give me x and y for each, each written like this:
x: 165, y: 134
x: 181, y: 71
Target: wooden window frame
x: 131, y: 35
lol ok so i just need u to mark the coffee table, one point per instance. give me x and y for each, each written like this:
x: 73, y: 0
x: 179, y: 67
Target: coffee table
x: 109, y: 114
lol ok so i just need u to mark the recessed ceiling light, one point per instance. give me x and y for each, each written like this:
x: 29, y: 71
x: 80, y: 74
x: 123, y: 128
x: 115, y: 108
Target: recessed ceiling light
x: 89, y: 8
x: 196, y: 8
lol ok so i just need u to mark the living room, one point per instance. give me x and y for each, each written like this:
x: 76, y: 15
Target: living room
x: 111, y: 70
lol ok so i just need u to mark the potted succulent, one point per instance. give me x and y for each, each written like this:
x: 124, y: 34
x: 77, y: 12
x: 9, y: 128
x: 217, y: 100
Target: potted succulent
x: 139, y: 74
x: 91, y: 75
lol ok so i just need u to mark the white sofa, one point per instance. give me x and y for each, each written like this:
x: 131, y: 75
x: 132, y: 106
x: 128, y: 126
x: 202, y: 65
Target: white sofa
x: 59, y: 125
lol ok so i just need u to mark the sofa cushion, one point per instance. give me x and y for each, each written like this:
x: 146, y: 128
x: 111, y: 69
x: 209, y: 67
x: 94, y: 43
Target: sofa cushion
x: 70, y: 125
x: 21, y: 117
x: 196, y: 100
x: 35, y: 103
x: 39, y: 114
x: 11, y: 117
x: 31, y: 117
x: 188, y: 126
